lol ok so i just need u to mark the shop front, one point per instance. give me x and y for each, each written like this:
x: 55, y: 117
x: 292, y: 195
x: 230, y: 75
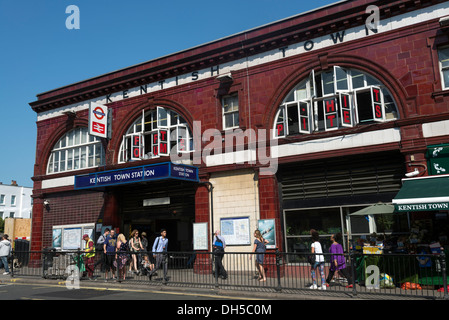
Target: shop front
x: 426, y: 201
x: 322, y: 195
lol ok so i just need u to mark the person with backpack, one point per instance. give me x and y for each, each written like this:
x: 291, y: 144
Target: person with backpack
x: 160, y: 254
x: 219, y: 246
x: 99, y: 248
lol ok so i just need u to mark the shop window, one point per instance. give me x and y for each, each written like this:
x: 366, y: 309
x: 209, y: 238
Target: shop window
x: 230, y: 111
x: 443, y: 57
x: 76, y: 150
x: 332, y: 100
x: 156, y: 133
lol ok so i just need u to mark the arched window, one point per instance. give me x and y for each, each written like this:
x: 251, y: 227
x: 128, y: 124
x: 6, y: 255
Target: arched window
x: 332, y: 100
x: 76, y: 150
x: 156, y: 133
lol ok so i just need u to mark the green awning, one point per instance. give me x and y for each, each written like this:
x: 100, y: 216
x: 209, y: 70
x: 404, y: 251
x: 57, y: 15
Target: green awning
x: 423, y: 194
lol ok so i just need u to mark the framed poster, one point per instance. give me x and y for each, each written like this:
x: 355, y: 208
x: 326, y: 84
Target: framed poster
x: 57, y: 238
x: 200, y: 238
x: 71, y: 238
x: 235, y: 231
x: 268, y: 231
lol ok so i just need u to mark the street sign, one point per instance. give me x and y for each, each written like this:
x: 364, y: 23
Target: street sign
x: 98, y: 120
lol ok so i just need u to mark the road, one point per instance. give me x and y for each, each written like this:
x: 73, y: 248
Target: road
x: 57, y: 292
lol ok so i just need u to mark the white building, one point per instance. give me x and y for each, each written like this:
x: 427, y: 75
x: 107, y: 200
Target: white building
x: 15, y: 201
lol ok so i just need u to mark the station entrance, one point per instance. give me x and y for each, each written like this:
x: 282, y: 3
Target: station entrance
x: 151, y: 206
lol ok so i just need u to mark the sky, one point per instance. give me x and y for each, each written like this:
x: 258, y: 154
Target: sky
x: 39, y: 53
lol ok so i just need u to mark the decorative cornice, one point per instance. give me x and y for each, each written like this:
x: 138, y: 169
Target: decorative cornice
x: 303, y: 27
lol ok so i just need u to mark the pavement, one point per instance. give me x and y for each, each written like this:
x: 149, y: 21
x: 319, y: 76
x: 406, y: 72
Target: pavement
x: 245, y: 293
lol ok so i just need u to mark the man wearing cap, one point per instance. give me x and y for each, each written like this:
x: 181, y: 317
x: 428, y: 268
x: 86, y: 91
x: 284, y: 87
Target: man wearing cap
x: 89, y: 256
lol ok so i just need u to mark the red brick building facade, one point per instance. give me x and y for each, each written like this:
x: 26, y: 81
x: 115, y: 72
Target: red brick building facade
x: 288, y: 77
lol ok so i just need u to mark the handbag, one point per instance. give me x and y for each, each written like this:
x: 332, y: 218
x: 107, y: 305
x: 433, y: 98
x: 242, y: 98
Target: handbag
x: 311, y: 258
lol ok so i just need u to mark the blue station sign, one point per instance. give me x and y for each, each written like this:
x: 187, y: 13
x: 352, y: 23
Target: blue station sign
x: 166, y: 170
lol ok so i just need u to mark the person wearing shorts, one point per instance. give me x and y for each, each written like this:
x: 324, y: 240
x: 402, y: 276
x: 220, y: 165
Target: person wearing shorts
x: 109, y: 247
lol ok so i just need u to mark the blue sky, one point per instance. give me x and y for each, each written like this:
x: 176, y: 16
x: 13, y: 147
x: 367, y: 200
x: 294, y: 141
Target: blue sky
x: 38, y: 53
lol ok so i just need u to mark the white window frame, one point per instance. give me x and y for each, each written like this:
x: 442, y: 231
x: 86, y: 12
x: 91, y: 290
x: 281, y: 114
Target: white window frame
x: 233, y: 111
x: 369, y: 83
x: 444, y: 85
x: 83, y: 142
x: 138, y: 127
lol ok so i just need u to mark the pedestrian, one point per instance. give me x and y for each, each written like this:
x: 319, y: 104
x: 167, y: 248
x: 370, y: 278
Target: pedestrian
x: 89, y: 256
x: 219, y: 246
x: 122, y: 255
x: 260, y: 248
x: 109, y: 249
x: 317, y: 251
x: 144, y: 241
x: 5, y: 252
x: 160, y: 247
x: 135, y: 246
x: 338, y: 261
x: 99, y: 248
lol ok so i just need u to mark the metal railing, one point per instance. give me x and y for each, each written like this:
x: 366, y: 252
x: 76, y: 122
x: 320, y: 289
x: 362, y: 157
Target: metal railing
x: 405, y: 275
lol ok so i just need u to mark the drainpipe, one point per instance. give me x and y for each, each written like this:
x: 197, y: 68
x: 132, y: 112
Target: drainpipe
x: 210, y: 189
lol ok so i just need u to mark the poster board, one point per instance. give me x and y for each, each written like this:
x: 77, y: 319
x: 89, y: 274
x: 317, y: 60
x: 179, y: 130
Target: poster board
x: 200, y: 238
x: 57, y: 238
x: 267, y: 228
x: 71, y: 238
x: 235, y: 231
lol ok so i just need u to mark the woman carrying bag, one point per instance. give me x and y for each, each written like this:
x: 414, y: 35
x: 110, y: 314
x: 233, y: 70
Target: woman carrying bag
x: 338, y: 261
x: 135, y: 246
x: 319, y: 261
x: 260, y: 248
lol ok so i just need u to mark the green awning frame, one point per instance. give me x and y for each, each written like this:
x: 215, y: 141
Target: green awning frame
x: 423, y: 194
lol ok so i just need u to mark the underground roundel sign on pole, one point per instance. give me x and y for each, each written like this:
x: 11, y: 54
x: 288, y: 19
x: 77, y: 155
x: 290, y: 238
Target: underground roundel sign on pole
x: 98, y: 120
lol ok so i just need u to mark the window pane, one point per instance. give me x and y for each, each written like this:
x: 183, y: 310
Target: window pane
x: 326, y: 221
x: 328, y: 82
x: 301, y: 91
x: 342, y: 79
x: 83, y: 157
x: 91, y: 156
x: 293, y: 119
x: 69, y: 159
x: 364, y: 109
x: 63, y: 142
x: 76, y: 159
x: 71, y: 139
x: 62, y: 161
x: 444, y: 57
x: 83, y: 136
x: 229, y: 121
x: 357, y: 79
x: 236, y: 119
x: 446, y: 78
x: 162, y: 117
